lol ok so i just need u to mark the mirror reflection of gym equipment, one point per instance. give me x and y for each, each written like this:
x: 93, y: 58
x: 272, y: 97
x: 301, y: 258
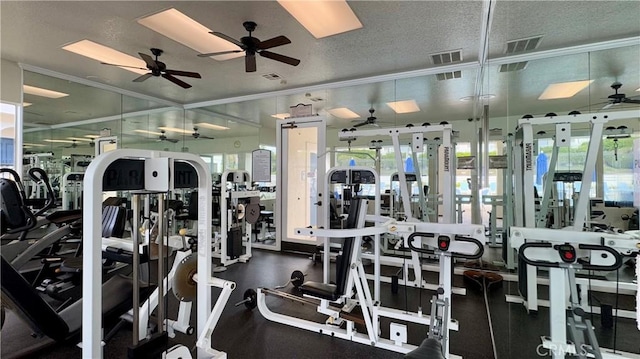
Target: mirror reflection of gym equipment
x: 374, y: 193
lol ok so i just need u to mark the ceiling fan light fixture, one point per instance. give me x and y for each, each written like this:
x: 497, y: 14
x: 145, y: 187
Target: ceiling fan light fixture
x: 406, y: 106
x: 37, y: 91
x: 80, y: 139
x: 95, y: 51
x: 211, y: 126
x: 323, y: 18
x: 344, y: 113
x: 564, y: 89
x: 179, y: 27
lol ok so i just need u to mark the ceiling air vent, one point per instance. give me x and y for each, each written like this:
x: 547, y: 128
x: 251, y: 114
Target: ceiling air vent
x: 448, y: 57
x: 522, y: 45
x: 449, y: 75
x: 516, y: 66
x: 272, y: 76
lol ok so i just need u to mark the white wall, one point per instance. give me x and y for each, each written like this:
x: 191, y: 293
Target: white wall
x: 11, y: 81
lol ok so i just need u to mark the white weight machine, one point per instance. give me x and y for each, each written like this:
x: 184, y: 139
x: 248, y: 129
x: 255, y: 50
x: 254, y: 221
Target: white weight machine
x: 444, y: 151
x: 155, y: 176
x: 563, y: 252
x: 444, y: 240
x: 525, y: 214
x: 71, y: 190
x: 239, y: 211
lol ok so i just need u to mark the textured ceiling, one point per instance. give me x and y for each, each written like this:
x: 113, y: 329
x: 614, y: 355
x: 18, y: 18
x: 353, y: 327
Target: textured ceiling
x: 387, y: 60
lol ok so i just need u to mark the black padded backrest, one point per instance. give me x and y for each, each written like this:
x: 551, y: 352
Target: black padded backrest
x: 343, y: 262
x: 30, y: 306
x: 354, y: 208
x: 14, y: 215
x: 113, y: 221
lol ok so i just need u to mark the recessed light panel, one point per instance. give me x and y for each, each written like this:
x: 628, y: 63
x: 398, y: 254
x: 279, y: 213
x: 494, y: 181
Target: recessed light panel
x: 564, y: 89
x: 211, y: 126
x: 174, y: 129
x: 106, y: 54
x: 185, y: 30
x: 281, y: 116
x: 323, y: 18
x: 343, y: 112
x: 37, y: 91
x: 407, y: 106
x: 148, y: 132
x: 58, y: 141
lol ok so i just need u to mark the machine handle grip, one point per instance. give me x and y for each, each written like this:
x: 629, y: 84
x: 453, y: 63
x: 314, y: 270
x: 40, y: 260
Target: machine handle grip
x: 476, y: 255
x: 598, y: 247
x: 532, y: 262
x: 39, y: 175
x: 537, y: 263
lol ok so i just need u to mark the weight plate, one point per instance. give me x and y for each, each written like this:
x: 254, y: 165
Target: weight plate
x: 251, y: 297
x: 297, y: 278
x: 184, y: 287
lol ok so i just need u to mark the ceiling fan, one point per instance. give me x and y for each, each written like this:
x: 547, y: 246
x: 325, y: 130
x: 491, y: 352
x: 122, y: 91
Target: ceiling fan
x: 371, y: 120
x: 163, y: 137
x: 252, y: 46
x: 618, y: 98
x: 197, y: 134
x: 73, y: 144
x: 159, y: 68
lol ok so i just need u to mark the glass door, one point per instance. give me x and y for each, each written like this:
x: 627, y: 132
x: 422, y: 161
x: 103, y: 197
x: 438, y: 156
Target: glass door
x: 301, y: 170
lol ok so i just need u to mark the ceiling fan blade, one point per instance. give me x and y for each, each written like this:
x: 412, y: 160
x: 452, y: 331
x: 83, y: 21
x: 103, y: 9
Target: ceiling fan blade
x: 143, y: 77
x: 176, y: 81
x: 129, y: 67
x: 276, y: 41
x: 250, y: 63
x: 282, y: 58
x: 183, y: 73
x: 360, y: 124
x: 171, y: 140
x: 630, y: 100
x: 206, y: 137
x: 149, y: 60
x: 607, y: 106
x: 210, y: 54
x: 228, y: 38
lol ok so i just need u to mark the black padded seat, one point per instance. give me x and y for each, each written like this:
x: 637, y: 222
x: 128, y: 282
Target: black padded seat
x: 61, y: 217
x: 320, y: 290
x: 30, y: 306
x: 428, y: 349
